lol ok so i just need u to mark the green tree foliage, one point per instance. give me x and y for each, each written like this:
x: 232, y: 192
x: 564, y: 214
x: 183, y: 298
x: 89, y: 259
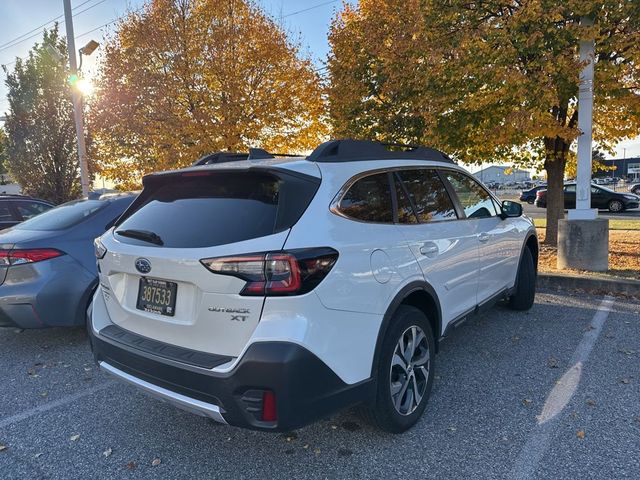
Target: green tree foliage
x: 182, y: 78
x: 494, y: 80
x: 3, y: 151
x: 41, y: 138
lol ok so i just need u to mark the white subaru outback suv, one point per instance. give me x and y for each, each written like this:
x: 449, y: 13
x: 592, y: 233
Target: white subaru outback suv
x: 269, y: 292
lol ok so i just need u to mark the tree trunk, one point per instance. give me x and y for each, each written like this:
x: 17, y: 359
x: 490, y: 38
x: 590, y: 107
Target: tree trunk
x: 554, y: 165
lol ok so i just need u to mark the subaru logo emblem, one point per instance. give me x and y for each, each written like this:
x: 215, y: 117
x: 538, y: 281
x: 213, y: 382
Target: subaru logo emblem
x: 143, y: 265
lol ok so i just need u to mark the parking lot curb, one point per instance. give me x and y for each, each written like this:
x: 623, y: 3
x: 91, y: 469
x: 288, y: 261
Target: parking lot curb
x: 616, y: 286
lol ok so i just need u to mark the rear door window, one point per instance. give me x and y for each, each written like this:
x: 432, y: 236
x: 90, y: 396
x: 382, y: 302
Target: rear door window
x: 475, y: 200
x: 427, y: 194
x: 211, y: 209
x: 5, y: 212
x: 28, y: 209
x: 369, y: 200
x: 64, y: 216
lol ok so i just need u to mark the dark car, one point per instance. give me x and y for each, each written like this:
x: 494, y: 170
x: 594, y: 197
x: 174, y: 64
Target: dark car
x: 18, y: 208
x: 529, y: 196
x: 601, y: 198
x: 48, y: 266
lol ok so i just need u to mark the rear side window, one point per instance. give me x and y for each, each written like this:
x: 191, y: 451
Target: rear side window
x: 475, y: 200
x: 427, y: 195
x: 204, y: 210
x: 5, y: 212
x: 29, y: 210
x: 65, y: 216
x: 369, y: 200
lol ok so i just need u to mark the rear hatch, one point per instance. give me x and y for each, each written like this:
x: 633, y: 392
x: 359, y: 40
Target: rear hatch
x: 157, y: 275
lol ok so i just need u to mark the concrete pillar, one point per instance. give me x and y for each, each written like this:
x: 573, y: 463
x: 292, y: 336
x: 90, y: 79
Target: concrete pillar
x: 583, y: 244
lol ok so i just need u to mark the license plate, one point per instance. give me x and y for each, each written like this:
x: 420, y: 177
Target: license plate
x: 157, y: 296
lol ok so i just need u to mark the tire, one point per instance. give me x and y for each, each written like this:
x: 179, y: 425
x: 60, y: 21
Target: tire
x: 397, y: 413
x: 525, y: 292
x: 616, y: 206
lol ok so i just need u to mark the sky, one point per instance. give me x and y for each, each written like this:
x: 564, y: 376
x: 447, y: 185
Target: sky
x: 306, y: 20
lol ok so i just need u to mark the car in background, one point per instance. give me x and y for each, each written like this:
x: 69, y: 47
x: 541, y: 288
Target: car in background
x: 635, y: 189
x: 529, y: 196
x: 18, y: 208
x: 47, y: 264
x: 601, y: 198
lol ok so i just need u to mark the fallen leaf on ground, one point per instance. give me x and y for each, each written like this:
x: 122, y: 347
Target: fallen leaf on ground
x: 580, y: 434
x: 131, y: 465
x: 526, y: 402
x: 38, y: 455
x: 552, y: 362
x: 73, y: 438
x: 107, y: 452
x: 155, y: 462
x: 625, y: 381
x: 591, y: 403
x: 317, y: 451
x: 2, y: 447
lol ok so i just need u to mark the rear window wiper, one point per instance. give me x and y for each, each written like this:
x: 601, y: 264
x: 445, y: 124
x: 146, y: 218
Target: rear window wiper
x: 144, y: 235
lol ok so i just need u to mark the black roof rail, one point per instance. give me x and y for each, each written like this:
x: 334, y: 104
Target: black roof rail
x: 222, y: 157
x: 353, y: 150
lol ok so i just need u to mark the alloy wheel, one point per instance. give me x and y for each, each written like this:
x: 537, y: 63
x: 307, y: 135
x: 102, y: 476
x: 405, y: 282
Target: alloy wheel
x: 409, y: 370
x: 615, y: 206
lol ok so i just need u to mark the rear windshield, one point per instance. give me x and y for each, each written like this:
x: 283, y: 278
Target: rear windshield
x: 64, y: 216
x: 217, y: 209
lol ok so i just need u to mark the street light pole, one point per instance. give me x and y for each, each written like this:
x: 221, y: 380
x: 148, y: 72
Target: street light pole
x: 583, y: 238
x: 77, y: 101
x: 583, y: 210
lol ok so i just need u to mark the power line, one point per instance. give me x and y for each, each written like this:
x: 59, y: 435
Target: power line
x: 40, y: 26
x: 18, y: 40
x: 313, y: 7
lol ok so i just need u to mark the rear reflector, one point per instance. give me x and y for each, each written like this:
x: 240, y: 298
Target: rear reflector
x: 269, y: 410
x: 293, y: 272
x: 22, y: 256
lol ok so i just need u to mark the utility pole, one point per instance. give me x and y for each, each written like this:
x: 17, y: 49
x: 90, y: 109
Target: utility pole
x: 583, y: 238
x: 77, y: 101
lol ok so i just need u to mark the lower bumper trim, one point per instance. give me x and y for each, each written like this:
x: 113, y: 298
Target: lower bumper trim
x: 181, y: 401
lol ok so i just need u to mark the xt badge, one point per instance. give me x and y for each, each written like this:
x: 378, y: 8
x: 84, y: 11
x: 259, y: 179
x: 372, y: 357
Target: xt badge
x: 238, y: 314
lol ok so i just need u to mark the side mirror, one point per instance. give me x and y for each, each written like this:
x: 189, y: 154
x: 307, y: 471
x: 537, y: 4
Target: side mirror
x: 511, y: 209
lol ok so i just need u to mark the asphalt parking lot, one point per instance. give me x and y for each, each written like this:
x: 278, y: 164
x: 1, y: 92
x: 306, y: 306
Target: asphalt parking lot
x: 552, y: 393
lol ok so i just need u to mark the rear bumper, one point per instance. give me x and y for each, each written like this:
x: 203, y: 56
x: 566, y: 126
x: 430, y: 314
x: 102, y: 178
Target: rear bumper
x: 52, y: 293
x: 305, y: 388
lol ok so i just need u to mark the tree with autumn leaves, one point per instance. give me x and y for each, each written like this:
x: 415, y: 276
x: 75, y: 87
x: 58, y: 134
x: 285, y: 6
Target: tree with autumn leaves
x: 485, y: 81
x: 183, y: 78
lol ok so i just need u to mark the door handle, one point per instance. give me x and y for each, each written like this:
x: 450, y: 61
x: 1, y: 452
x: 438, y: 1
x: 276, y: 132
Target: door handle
x: 429, y: 249
x: 484, y: 237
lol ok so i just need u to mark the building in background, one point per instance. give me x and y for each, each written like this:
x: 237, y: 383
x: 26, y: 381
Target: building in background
x: 626, y: 168
x: 502, y: 175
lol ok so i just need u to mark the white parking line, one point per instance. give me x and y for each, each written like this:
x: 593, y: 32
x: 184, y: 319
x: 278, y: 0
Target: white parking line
x: 18, y: 417
x: 559, y: 397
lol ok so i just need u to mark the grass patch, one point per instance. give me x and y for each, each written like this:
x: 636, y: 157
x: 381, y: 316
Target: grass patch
x: 616, y: 224
x: 624, y: 255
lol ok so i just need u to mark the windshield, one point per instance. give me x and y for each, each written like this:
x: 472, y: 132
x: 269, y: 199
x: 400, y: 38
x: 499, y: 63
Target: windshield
x: 64, y: 216
x: 604, y: 188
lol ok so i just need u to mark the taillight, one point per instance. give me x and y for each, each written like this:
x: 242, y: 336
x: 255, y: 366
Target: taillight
x: 293, y: 272
x: 539, y: 194
x: 22, y: 256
